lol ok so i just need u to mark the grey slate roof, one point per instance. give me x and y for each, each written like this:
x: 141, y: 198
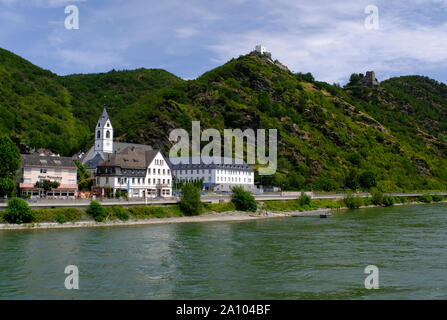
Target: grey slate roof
x: 35, y: 160
x: 103, y: 118
x: 130, y: 161
x: 209, y: 163
x: 94, y: 162
x: 118, y: 147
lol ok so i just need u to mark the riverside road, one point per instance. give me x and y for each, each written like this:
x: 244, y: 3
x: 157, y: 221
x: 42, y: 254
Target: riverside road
x: 83, y: 203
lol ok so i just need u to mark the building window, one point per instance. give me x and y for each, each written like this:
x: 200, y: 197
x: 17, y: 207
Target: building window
x: 164, y: 171
x: 98, y: 134
x: 159, y: 171
x: 169, y: 171
x: 107, y: 180
x: 43, y: 170
x: 158, y: 181
x: 154, y: 181
x: 108, y: 134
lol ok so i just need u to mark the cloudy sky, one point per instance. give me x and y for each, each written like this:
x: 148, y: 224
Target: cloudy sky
x: 190, y: 37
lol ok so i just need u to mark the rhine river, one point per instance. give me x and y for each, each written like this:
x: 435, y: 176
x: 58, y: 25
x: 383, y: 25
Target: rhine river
x: 284, y: 258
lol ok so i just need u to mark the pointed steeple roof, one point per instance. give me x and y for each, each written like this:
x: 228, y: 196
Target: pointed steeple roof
x: 103, y: 118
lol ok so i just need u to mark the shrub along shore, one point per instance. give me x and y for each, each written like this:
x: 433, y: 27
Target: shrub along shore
x: 18, y: 211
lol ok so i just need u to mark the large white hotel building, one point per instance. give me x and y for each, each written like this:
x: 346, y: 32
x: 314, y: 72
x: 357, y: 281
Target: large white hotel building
x: 218, y: 174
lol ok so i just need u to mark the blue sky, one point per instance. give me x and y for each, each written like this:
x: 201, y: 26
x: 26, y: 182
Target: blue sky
x: 190, y: 37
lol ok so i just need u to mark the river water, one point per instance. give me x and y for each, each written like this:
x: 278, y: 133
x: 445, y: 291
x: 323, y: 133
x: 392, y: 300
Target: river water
x: 284, y: 258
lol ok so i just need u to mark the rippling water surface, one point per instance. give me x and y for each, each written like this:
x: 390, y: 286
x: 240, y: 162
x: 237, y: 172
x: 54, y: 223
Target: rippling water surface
x: 286, y: 258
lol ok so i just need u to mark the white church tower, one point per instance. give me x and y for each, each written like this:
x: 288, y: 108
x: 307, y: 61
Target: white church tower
x: 104, y: 135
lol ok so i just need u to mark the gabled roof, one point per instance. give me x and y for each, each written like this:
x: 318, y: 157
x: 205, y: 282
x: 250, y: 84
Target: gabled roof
x: 118, y: 147
x: 130, y: 158
x: 150, y: 155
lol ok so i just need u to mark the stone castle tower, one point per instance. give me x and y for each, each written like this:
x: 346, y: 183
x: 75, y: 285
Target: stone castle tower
x: 104, y: 135
x: 369, y: 80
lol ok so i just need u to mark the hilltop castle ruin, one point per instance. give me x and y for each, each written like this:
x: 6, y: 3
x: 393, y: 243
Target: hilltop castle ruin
x: 369, y: 80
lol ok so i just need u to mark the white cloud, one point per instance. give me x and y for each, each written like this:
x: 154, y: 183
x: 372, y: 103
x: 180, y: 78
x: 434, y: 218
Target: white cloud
x: 327, y: 38
x: 89, y: 59
x: 331, y: 42
x: 186, y: 32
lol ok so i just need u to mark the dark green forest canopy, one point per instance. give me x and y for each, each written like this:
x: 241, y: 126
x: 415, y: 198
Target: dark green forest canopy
x: 329, y: 137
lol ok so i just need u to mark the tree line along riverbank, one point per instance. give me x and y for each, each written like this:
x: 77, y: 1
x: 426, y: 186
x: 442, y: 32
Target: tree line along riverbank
x: 96, y: 213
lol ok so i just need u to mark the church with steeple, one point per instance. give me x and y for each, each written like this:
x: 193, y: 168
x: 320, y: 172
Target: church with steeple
x: 104, y: 135
x: 104, y: 145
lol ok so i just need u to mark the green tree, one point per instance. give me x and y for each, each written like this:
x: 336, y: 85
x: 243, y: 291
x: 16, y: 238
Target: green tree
x: 388, y: 200
x: 9, y: 164
x: 243, y: 200
x: 355, y: 78
x: 97, y: 211
x: 190, y: 202
x: 9, y: 158
x: 305, y: 77
x: 19, y: 212
x: 304, y: 199
x: 264, y: 103
x: 47, y: 185
x: 7, y: 187
x: 377, y: 197
x: 352, y: 202
x: 325, y: 184
x: 120, y: 193
x: 296, y: 181
x: 368, y: 179
x: 352, y: 180
x: 355, y: 159
x: 84, y: 178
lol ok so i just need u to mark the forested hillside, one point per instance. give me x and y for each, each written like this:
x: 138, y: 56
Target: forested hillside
x: 330, y: 138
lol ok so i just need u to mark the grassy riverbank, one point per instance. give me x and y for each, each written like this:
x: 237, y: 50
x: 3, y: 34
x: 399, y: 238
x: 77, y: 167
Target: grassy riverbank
x: 117, y: 214
x: 62, y: 215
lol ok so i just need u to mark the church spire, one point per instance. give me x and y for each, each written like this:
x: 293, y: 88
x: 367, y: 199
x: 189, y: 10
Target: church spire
x: 104, y: 134
x: 103, y: 118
